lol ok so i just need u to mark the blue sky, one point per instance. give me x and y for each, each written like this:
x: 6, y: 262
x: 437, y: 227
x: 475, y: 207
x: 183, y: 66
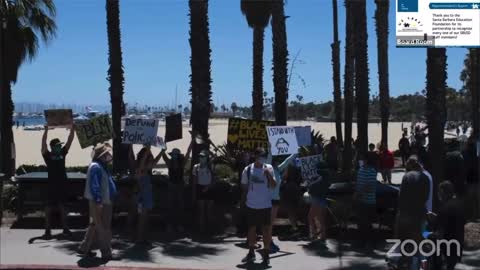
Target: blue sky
x: 156, y: 53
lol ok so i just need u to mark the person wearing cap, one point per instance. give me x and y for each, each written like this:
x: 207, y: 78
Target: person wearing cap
x: 57, y: 179
x: 258, y: 181
x: 203, y: 179
x: 144, y: 167
x: 100, y: 190
x: 176, y: 166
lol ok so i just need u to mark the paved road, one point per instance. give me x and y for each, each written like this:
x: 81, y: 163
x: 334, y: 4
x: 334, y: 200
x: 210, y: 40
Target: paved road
x: 185, y: 253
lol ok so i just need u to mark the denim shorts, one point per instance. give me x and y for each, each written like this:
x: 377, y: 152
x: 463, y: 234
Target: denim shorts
x: 145, y: 197
x: 320, y: 202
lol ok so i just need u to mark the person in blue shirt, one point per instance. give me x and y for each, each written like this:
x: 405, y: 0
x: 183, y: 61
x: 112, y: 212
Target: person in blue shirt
x: 100, y: 190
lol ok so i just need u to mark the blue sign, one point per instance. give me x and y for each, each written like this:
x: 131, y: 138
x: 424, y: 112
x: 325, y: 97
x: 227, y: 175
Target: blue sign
x: 407, y: 6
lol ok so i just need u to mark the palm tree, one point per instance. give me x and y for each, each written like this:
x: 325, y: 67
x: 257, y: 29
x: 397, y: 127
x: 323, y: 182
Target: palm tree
x: 23, y: 23
x: 280, y: 61
x: 200, y: 79
x: 258, y: 15
x: 436, y: 112
x: 115, y: 77
x: 348, y: 86
x: 337, y: 92
x: 381, y: 19
x: 475, y: 90
x: 361, y: 74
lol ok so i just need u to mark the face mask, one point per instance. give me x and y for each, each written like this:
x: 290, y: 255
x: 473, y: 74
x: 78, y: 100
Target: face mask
x: 203, y: 160
x: 57, y: 149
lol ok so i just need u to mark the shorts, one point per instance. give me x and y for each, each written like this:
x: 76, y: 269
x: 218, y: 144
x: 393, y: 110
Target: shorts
x: 56, y: 194
x: 320, y: 202
x: 203, y: 196
x: 276, y: 202
x: 145, y: 197
x: 259, y: 217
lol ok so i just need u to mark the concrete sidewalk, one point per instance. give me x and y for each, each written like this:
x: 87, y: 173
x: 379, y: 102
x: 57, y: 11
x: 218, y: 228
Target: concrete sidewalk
x: 185, y: 253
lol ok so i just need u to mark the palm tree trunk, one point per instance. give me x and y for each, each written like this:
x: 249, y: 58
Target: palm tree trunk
x: 337, y: 92
x: 475, y: 90
x: 257, y: 94
x: 361, y: 75
x: 381, y: 18
x: 348, y: 87
x: 2, y: 97
x: 115, y: 77
x: 200, y: 79
x: 436, y: 113
x: 280, y: 61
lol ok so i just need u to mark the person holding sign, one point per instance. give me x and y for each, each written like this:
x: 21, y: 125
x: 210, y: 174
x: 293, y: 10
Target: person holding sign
x: 176, y: 166
x: 258, y: 182
x: 203, y: 179
x: 57, y: 178
x: 144, y: 167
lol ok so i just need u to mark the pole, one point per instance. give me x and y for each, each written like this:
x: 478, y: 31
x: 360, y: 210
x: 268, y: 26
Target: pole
x: 2, y: 77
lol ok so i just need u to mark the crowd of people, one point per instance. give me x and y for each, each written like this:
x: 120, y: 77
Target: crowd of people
x: 267, y: 183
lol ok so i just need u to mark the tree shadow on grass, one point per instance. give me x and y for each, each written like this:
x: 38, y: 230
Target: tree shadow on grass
x: 90, y: 262
x: 76, y: 236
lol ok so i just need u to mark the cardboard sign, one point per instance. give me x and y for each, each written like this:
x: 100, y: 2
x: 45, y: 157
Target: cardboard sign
x: 59, y: 118
x: 310, y: 167
x: 140, y: 131
x: 173, y: 129
x: 304, y: 135
x: 283, y: 140
x: 247, y: 135
x: 96, y: 130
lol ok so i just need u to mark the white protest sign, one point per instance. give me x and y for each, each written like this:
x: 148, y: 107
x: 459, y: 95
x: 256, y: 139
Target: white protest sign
x: 140, y: 131
x: 304, y: 135
x: 283, y: 140
x: 310, y: 167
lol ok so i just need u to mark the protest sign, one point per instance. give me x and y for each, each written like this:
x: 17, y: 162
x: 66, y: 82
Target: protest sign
x: 173, y: 130
x: 304, y: 135
x: 59, y: 118
x: 96, y: 130
x: 247, y: 135
x: 310, y: 167
x: 140, y: 131
x: 160, y: 143
x: 283, y: 140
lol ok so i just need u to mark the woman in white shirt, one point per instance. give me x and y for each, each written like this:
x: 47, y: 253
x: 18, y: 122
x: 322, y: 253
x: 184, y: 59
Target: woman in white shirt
x: 203, y: 180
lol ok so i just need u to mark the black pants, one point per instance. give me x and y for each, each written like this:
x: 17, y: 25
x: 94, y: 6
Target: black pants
x: 366, y: 215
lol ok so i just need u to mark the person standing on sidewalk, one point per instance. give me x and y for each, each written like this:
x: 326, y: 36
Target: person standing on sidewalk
x: 387, y: 162
x: 176, y: 166
x: 99, y: 191
x: 57, y: 179
x: 258, y: 182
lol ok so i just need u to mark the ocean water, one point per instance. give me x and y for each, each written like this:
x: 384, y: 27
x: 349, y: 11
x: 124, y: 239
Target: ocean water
x: 29, y: 121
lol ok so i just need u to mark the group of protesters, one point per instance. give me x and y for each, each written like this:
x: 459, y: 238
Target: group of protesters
x: 267, y: 182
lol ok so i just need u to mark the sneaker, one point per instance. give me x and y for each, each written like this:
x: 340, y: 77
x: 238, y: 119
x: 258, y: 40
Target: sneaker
x: 274, y: 248
x: 249, y: 258
x: 266, y: 258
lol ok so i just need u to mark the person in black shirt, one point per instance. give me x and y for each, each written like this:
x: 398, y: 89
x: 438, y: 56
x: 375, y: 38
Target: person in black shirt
x: 404, y: 147
x: 373, y: 156
x: 176, y: 166
x: 57, y: 179
x: 450, y: 223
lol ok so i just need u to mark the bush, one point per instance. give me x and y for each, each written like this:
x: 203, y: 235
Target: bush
x: 9, y: 198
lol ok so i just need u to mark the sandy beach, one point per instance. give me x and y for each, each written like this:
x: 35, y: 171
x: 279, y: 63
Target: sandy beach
x: 28, y: 143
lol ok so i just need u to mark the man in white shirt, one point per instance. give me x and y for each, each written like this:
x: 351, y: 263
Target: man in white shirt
x: 258, y: 181
x: 428, y: 205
